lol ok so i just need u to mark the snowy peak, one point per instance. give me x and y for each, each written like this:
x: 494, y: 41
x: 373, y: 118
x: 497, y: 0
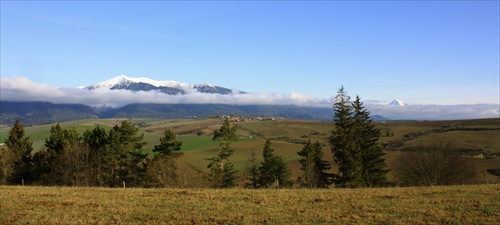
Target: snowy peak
x: 123, y: 82
x: 119, y: 80
x: 398, y: 102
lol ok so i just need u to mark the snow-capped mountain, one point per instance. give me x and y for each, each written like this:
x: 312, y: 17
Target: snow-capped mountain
x: 398, y: 102
x: 395, y: 102
x: 123, y: 82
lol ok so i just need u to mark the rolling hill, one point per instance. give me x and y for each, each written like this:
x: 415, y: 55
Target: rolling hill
x: 32, y: 113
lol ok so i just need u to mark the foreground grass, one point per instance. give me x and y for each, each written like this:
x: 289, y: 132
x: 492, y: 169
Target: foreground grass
x: 475, y: 204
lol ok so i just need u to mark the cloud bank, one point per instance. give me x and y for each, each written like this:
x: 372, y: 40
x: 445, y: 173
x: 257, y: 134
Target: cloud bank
x: 435, y: 112
x: 23, y: 89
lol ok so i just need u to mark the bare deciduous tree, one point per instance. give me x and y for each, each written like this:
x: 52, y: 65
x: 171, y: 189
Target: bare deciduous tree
x: 7, y: 158
x: 437, y: 163
x: 174, y: 171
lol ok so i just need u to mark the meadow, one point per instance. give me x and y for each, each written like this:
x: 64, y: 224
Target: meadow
x: 473, y: 204
x: 477, y: 138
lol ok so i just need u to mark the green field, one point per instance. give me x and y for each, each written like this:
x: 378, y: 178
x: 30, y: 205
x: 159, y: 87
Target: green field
x: 480, y: 136
x: 474, y: 204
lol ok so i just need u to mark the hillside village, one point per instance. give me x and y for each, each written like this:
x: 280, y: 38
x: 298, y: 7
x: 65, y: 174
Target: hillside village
x: 236, y: 118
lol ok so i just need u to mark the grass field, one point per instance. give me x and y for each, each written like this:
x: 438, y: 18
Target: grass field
x: 475, y: 204
x: 287, y: 136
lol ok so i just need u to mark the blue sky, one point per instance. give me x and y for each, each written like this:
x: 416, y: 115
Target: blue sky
x: 423, y: 52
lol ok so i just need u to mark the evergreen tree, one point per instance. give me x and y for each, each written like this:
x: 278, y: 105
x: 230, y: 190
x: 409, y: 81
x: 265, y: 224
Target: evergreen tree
x: 374, y: 172
x: 62, y: 145
x: 71, y: 167
x: 314, y: 167
x: 345, y: 148
x: 252, y: 171
x: 56, y: 141
x: 97, y: 141
x: 222, y: 171
x: 273, y: 170
x: 68, y: 165
x: 307, y: 165
x: 163, y: 169
x: 322, y: 166
x: 41, y: 168
x: 128, y: 161
x: 21, y: 148
x: 168, y: 144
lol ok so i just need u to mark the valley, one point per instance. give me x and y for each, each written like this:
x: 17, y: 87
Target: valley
x: 478, y: 140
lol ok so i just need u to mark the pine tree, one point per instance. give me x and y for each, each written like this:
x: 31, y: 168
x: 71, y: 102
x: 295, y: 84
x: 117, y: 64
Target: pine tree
x: 273, y: 170
x: 374, y: 172
x: 21, y: 148
x: 325, y: 178
x: 163, y: 169
x: 128, y: 158
x: 252, y: 171
x: 222, y: 171
x: 345, y: 149
x: 168, y: 144
x: 56, y: 141
x: 314, y: 167
x: 97, y: 141
x: 307, y: 165
x: 62, y: 146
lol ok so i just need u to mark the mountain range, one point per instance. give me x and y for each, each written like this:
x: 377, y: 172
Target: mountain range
x: 170, y: 87
x: 33, y: 113
x: 44, y: 112
x: 126, y: 97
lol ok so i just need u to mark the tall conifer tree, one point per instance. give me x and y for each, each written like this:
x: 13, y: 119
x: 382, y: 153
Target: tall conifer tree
x: 56, y: 141
x: 359, y: 157
x: 345, y: 149
x: 126, y: 147
x: 273, y: 170
x: 374, y: 172
x: 252, y: 172
x: 21, y: 146
x: 222, y: 171
x: 97, y: 141
x: 314, y: 167
x: 168, y: 144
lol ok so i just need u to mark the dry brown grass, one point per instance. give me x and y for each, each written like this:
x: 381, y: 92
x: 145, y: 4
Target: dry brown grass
x: 475, y: 204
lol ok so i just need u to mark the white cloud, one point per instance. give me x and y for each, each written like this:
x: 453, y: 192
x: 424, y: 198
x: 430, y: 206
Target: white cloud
x: 22, y: 89
x: 435, y: 112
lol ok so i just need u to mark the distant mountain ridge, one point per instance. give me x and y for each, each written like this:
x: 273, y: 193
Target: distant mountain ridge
x: 170, y: 87
x: 33, y: 113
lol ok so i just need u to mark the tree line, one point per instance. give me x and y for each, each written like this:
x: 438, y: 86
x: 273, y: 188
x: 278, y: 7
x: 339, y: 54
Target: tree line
x: 115, y: 158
